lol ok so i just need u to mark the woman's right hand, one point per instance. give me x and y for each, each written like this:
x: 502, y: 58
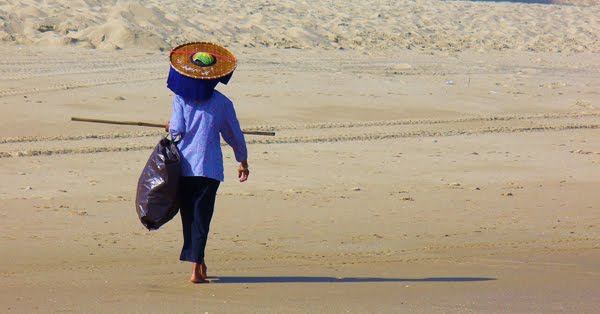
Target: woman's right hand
x: 167, y: 126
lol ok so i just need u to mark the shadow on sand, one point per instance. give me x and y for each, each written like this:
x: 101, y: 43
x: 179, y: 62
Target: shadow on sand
x: 339, y: 280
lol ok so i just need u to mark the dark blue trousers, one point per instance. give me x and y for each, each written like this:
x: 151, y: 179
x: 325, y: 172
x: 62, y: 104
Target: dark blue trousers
x: 197, y: 205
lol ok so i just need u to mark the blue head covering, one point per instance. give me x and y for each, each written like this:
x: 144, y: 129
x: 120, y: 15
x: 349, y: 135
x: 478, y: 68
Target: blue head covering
x: 191, y: 88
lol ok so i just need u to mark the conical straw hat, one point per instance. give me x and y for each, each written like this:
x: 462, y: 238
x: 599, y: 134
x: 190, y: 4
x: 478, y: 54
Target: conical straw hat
x: 202, y: 60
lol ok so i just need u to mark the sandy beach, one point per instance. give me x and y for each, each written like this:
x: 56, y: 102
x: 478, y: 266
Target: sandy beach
x: 429, y: 157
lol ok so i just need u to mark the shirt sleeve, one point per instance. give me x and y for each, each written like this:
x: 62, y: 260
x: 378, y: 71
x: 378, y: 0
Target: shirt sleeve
x: 177, y: 123
x: 232, y: 133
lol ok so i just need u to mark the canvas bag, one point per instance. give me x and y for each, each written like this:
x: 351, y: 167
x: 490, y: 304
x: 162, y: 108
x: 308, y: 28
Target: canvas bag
x: 157, y: 199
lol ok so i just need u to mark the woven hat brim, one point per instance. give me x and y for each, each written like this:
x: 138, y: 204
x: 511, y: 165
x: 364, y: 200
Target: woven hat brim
x: 180, y: 59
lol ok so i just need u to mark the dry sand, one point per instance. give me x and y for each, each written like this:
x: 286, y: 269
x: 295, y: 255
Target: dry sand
x: 334, y: 24
x: 445, y: 160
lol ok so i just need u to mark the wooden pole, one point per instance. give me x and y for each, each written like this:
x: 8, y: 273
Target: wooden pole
x: 156, y: 125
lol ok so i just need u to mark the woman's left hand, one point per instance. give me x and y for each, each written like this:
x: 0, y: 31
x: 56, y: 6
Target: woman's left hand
x: 243, y: 171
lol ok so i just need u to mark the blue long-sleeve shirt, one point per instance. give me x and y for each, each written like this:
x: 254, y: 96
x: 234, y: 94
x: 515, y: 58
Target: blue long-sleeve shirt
x: 199, y: 124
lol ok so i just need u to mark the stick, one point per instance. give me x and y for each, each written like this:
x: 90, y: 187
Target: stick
x: 157, y: 125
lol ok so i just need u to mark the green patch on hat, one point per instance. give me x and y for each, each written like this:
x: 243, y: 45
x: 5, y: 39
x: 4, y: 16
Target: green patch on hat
x: 204, y: 58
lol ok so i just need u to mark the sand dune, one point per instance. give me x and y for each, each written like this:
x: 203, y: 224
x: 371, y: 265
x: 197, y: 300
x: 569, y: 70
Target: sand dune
x: 339, y: 24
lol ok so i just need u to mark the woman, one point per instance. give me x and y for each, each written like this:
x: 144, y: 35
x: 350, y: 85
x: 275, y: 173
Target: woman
x: 200, y: 115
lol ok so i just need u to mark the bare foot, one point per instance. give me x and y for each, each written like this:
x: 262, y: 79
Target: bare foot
x: 204, y: 269
x: 199, y: 273
x: 196, y: 279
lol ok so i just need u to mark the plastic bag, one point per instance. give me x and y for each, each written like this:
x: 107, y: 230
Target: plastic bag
x: 157, y: 200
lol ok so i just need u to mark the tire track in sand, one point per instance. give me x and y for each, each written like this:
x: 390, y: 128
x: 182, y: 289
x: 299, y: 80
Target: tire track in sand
x: 132, y: 76
x: 328, y: 125
x: 453, y: 130
x: 76, y: 71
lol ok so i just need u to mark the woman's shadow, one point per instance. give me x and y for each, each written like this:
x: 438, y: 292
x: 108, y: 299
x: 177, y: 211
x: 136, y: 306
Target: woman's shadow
x: 297, y: 279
